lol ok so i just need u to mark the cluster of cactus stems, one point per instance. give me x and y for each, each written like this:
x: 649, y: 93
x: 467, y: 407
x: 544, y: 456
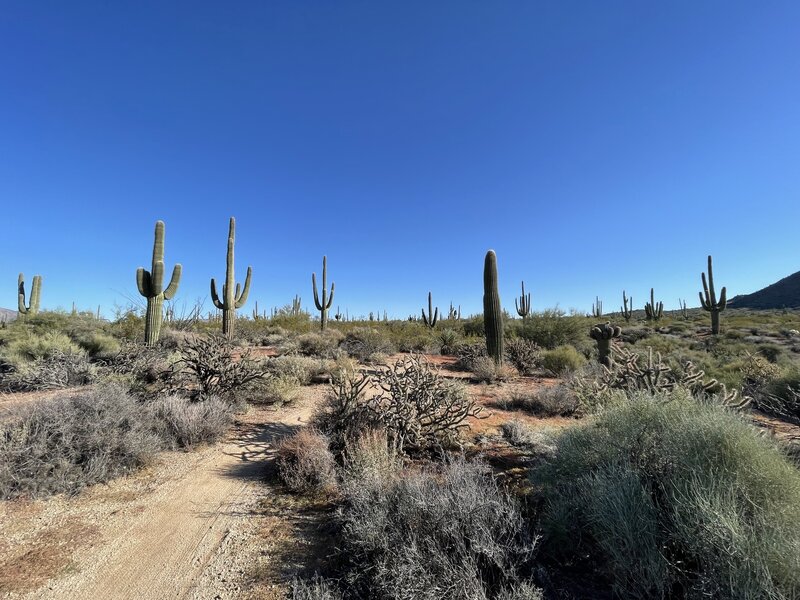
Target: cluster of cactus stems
x: 151, y: 286
x: 296, y: 305
x: 683, y: 310
x: 653, y: 310
x: 454, y: 314
x: 523, y: 304
x: 324, y: 304
x: 36, y: 293
x: 492, y: 311
x: 603, y: 334
x: 627, y: 311
x: 233, y: 296
x: 709, y: 301
x: 597, y: 308
x: 432, y: 317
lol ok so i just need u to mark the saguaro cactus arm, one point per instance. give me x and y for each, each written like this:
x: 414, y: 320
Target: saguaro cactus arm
x: 241, y: 296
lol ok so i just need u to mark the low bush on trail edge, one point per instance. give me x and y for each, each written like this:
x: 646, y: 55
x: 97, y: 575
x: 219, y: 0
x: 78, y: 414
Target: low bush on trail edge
x: 64, y: 445
x: 305, y: 464
x: 671, y: 497
x: 445, y: 533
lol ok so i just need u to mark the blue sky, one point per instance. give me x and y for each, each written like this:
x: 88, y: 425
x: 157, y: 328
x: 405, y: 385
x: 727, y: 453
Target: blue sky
x: 595, y: 146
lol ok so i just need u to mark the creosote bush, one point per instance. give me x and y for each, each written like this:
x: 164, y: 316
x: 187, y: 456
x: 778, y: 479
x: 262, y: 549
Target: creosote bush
x: 671, y: 497
x: 562, y: 360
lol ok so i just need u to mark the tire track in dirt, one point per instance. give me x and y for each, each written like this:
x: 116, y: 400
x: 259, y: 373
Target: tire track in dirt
x: 161, y: 547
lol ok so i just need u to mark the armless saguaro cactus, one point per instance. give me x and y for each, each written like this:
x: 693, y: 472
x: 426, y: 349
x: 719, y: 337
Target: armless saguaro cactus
x: 233, y: 296
x: 151, y: 286
x: 36, y: 291
x: 492, y: 312
x: 603, y: 334
x: 433, y: 316
x: 523, y: 306
x: 709, y: 302
x: 324, y: 305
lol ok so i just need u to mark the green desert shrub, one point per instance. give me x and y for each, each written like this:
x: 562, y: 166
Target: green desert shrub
x: 670, y: 497
x: 552, y: 328
x: 66, y: 444
x: 56, y: 371
x: 562, y: 360
x: 323, y: 344
x: 37, y: 346
x: 549, y: 401
x: 364, y: 343
x: 442, y: 534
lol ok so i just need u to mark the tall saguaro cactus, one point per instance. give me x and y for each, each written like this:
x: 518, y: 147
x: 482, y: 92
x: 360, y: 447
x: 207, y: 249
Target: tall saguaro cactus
x: 324, y: 305
x: 653, y: 310
x: 597, y: 308
x: 523, y: 306
x: 492, y: 312
x: 432, y: 317
x: 627, y: 312
x: 36, y: 292
x: 709, y: 302
x: 233, y: 296
x: 151, y: 286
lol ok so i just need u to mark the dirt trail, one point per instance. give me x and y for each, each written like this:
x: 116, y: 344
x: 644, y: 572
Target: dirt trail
x: 174, y: 532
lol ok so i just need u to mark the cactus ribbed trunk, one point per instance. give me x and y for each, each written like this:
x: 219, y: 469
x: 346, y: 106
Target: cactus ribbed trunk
x: 715, y: 322
x: 153, y: 319
x: 492, y: 312
x: 604, y: 352
x: 324, y: 305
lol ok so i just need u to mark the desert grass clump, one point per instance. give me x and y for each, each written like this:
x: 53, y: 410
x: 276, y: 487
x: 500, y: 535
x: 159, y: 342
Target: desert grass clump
x: 486, y: 370
x: 66, y: 444
x: 562, y: 360
x: 305, y: 463
x: 539, y: 441
x: 558, y: 400
x: 671, y: 497
x: 446, y: 533
x: 314, y: 588
x: 181, y: 423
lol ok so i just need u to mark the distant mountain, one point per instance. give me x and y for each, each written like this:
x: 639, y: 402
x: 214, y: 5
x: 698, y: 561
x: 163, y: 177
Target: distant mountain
x: 7, y: 314
x: 782, y: 294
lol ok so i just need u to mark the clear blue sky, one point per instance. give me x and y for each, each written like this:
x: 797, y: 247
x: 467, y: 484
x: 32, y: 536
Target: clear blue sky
x: 595, y: 146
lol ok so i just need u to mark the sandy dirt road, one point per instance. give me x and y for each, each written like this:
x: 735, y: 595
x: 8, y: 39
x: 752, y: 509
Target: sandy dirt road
x: 180, y: 529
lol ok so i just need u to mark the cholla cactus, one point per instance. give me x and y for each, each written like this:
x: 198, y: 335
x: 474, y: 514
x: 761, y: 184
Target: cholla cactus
x: 233, y: 296
x: 603, y: 334
x: 709, y: 302
x: 433, y: 316
x: 36, y: 291
x: 652, y: 310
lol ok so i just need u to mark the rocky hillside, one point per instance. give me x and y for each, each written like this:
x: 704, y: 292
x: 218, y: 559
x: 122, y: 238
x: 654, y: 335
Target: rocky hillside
x: 782, y: 294
x: 7, y: 314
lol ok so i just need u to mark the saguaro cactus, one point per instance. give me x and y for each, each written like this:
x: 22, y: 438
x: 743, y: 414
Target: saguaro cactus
x: 492, y: 312
x: 151, y: 286
x: 296, y: 305
x: 603, y: 333
x: 627, y: 312
x: 682, y: 307
x: 524, y: 305
x: 233, y: 296
x: 433, y: 316
x: 653, y: 310
x: 597, y: 308
x: 326, y: 302
x: 36, y: 292
x: 709, y: 302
